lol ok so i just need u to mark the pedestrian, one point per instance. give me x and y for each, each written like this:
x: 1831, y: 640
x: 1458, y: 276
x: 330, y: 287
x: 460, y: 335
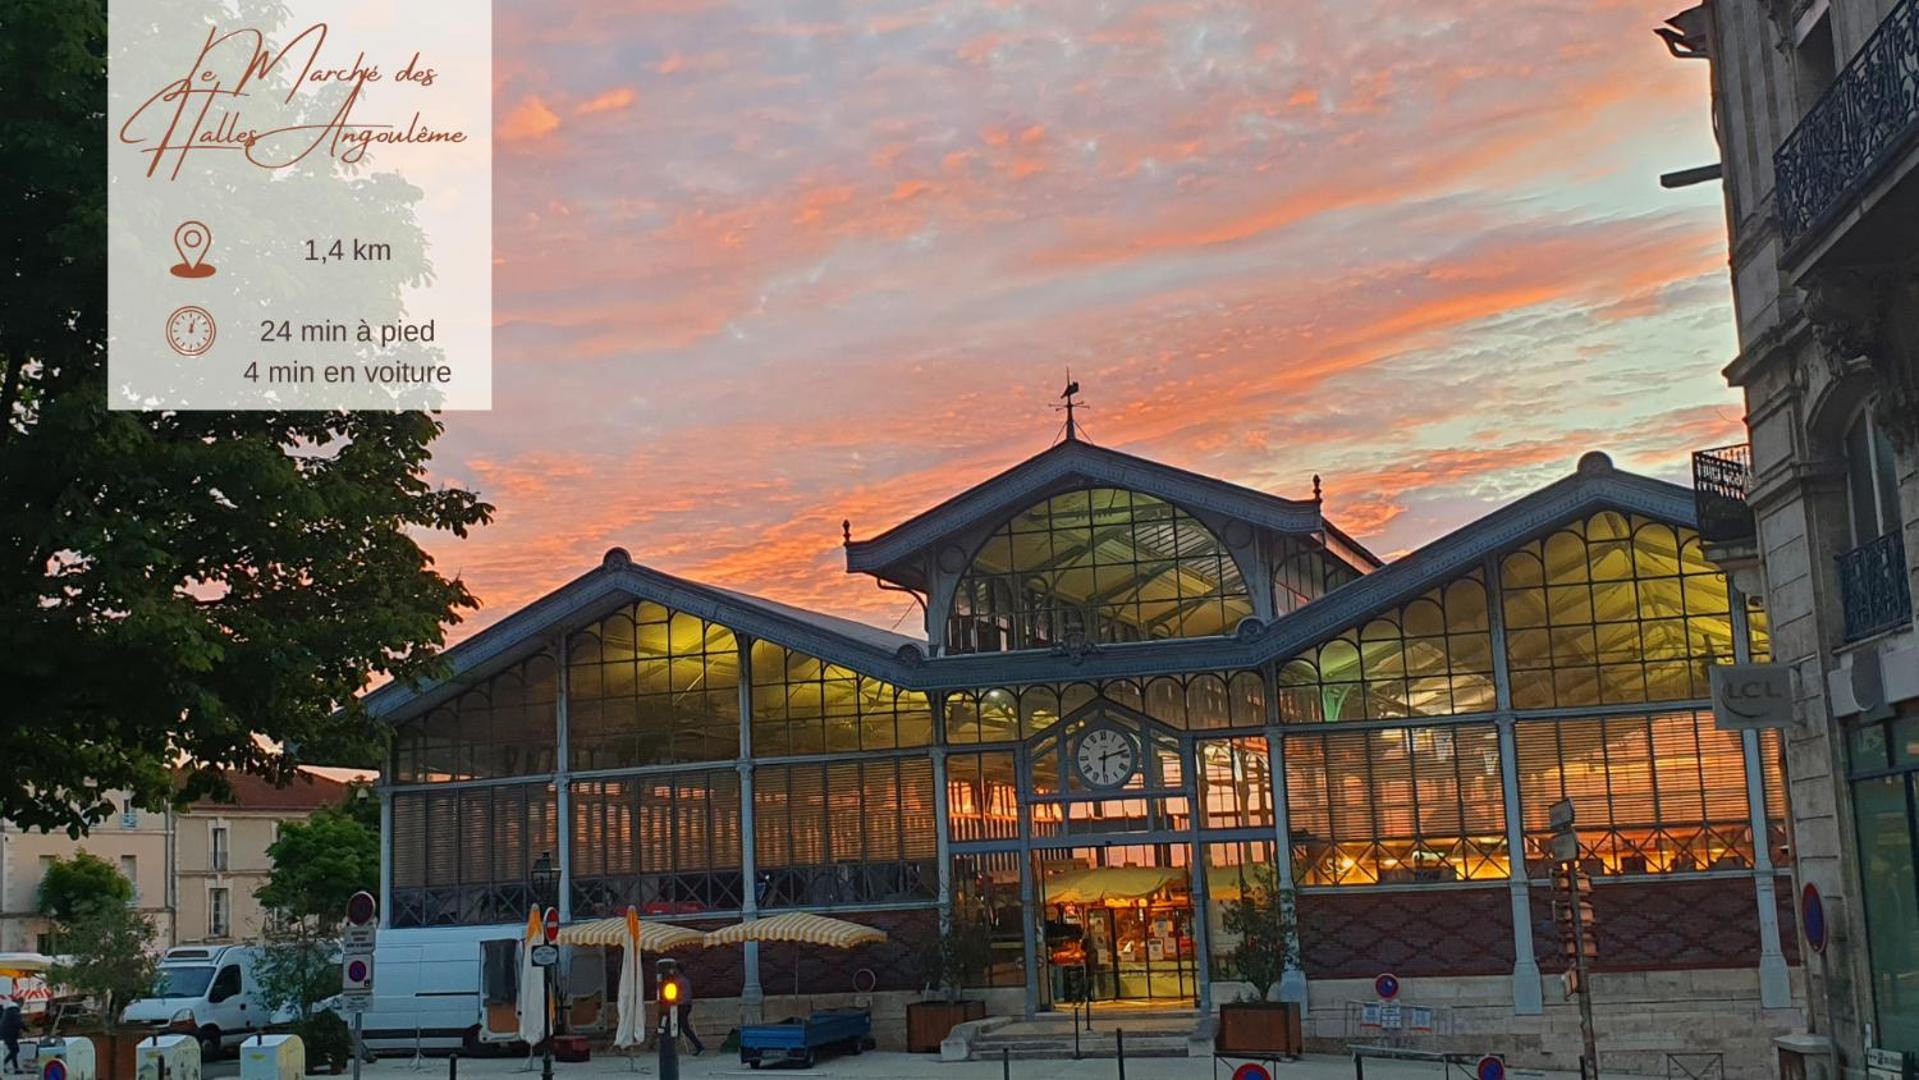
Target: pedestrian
x: 10, y: 1027
x: 686, y: 1013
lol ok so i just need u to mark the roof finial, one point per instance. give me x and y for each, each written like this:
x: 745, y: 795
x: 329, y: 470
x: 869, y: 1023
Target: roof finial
x: 846, y: 531
x: 1070, y: 396
x: 1316, y: 487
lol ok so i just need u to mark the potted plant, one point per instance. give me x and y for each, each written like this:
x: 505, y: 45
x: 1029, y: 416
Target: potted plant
x: 107, y: 954
x: 949, y: 963
x: 329, y: 1043
x: 1263, y: 919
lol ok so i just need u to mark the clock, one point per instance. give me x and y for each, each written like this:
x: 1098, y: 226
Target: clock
x: 190, y: 330
x: 1105, y: 756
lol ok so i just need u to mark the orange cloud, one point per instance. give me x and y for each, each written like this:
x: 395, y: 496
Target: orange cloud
x: 610, y: 101
x: 530, y: 119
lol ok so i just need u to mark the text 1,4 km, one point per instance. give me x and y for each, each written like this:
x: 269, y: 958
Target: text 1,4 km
x: 322, y: 251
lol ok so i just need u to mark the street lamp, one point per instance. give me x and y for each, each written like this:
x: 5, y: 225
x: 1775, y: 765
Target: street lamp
x: 546, y: 880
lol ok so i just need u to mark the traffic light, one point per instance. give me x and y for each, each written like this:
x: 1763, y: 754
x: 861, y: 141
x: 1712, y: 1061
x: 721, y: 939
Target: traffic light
x: 672, y: 994
x: 1578, y: 939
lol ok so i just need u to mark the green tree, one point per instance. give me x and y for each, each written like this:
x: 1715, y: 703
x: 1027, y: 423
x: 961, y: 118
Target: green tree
x: 299, y: 967
x: 73, y: 886
x: 318, y: 864
x: 1262, y: 918
x: 107, y: 954
x: 173, y: 584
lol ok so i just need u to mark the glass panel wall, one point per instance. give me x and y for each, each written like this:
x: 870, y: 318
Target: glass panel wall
x: 651, y: 686
x: 1432, y: 657
x: 1613, y: 610
x: 666, y: 843
x: 802, y: 705
x: 1232, y: 870
x: 986, y: 891
x: 982, y: 796
x: 1236, y: 782
x: 1099, y: 565
x: 1224, y: 699
x: 465, y: 857
x: 504, y: 727
x: 1304, y: 572
x: 1651, y: 794
x: 1396, y: 806
x: 845, y: 832
x: 1883, y: 763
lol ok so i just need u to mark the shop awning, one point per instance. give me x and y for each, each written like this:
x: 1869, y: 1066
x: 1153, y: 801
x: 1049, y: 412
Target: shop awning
x: 803, y: 927
x: 1098, y: 884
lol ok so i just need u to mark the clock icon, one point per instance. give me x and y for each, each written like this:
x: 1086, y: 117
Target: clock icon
x: 190, y: 330
x: 1105, y: 756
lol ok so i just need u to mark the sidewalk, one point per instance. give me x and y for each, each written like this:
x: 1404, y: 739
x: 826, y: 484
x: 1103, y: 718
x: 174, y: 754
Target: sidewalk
x: 881, y: 1065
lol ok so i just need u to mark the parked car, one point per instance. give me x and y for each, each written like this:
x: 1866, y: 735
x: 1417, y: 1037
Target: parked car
x: 205, y: 990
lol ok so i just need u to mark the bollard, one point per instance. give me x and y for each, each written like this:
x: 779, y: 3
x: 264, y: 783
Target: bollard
x: 453, y: 1066
x: 1075, y: 1033
x: 1005, y: 1063
x: 1119, y: 1050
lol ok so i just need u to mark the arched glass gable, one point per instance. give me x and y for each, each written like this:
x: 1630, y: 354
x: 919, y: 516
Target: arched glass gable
x: 1097, y: 565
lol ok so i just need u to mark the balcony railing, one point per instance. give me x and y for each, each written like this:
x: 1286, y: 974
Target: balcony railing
x: 1875, y: 587
x: 1865, y: 117
x: 1721, y: 480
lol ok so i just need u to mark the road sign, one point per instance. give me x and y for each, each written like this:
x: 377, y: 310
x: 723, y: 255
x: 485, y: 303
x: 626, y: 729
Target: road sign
x: 1812, y: 911
x: 552, y: 926
x: 1490, y: 1068
x: 1386, y: 986
x: 356, y: 980
x: 1565, y: 847
x: 1252, y: 1070
x: 1560, y: 815
x: 54, y: 1069
x: 546, y: 955
x: 362, y: 924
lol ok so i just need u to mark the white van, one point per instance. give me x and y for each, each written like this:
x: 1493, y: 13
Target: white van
x: 209, y: 989
x: 456, y: 988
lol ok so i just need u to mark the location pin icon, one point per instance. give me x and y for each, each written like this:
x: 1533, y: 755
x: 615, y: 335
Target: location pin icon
x: 192, y: 240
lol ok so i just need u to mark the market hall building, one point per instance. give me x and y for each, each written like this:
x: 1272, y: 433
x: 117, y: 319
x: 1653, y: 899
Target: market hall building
x: 1137, y: 686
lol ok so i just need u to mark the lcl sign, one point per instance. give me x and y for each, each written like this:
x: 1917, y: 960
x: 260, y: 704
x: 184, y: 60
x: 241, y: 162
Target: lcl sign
x: 1747, y: 697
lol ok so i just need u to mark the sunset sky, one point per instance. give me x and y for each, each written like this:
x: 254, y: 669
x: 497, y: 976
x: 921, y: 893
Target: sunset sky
x: 761, y: 267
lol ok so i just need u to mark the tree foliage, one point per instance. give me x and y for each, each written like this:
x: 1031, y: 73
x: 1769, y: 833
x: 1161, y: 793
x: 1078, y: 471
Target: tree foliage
x: 1262, y: 918
x: 107, y: 954
x: 173, y: 584
x: 318, y: 864
x: 75, y: 885
x: 299, y: 967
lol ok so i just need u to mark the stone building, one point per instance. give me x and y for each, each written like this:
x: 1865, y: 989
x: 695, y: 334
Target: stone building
x: 140, y: 843
x: 222, y: 852
x: 1136, y: 689
x: 1816, y: 105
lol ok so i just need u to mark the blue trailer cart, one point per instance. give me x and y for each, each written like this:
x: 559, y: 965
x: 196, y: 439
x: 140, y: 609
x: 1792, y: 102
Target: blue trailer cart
x: 801, y: 1039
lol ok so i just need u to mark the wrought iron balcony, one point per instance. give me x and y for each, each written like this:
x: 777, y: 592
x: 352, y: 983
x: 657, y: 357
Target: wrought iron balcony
x: 1721, y: 479
x: 1863, y: 120
x: 1875, y: 586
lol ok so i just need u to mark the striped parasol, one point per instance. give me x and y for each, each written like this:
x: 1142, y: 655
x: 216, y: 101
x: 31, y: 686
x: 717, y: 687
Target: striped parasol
x: 802, y: 927
x: 654, y: 936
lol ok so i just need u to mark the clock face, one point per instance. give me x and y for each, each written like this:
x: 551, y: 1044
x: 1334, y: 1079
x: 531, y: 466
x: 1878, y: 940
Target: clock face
x: 1105, y: 757
x: 190, y: 331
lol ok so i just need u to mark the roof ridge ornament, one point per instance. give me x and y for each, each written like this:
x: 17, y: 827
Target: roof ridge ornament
x: 1070, y: 396
x: 1316, y: 496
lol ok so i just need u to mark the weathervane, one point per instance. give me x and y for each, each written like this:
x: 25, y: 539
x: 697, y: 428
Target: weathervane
x: 1070, y: 396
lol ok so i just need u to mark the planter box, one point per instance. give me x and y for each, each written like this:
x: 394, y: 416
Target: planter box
x: 929, y: 1022
x: 113, y: 1054
x: 1259, y: 1027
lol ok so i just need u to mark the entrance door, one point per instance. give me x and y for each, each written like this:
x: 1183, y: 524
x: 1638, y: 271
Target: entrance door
x: 1117, y: 924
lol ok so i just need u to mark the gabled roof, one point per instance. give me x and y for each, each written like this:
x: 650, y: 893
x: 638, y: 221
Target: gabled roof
x: 902, y: 660
x: 618, y: 581
x: 1072, y: 462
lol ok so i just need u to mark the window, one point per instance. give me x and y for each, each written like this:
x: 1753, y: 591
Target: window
x: 1236, y: 782
x: 503, y: 727
x: 652, y: 686
x: 845, y: 832
x: 1815, y: 62
x: 1432, y: 657
x: 1884, y: 764
x: 1097, y: 565
x: 1614, y: 609
x: 130, y: 869
x: 1651, y: 794
x: 1303, y: 571
x: 802, y: 705
x: 982, y: 796
x: 667, y: 843
x: 219, y: 917
x: 1403, y: 805
x: 217, y: 843
x: 465, y: 858
x: 129, y: 816
x: 227, y: 983
x: 1872, y: 481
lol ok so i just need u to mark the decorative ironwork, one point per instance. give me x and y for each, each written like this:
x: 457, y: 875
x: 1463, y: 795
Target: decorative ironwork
x: 1875, y: 586
x: 462, y: 905
x: 1868, y: 114
x: 1721, y: 483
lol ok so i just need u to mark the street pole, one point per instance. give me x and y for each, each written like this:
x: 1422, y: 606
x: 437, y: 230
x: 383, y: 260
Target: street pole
x: 546, y: 1059
x: 669, y: 1044
x: 1589, y: 1060
x: 359, y: 1016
